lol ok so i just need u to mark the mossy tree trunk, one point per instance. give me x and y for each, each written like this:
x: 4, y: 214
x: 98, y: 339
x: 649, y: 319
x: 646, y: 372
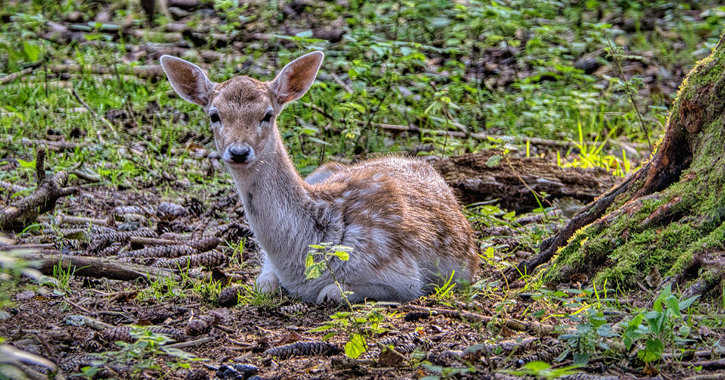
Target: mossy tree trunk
x: 669, y: 215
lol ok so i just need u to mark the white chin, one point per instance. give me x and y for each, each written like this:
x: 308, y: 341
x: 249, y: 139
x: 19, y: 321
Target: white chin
x: 239, y: 165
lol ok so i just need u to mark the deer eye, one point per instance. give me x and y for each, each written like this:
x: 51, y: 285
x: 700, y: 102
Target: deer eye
x: 214, y: 118
x: 268, y: 117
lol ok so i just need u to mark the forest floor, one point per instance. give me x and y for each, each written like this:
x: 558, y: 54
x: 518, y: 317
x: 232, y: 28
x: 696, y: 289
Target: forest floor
x: 171, y: 260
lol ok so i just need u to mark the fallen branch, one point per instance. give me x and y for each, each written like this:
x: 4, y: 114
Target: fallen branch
x: 9, y: 78
x: 143, y: 71
x: 715, y: 376
x: 192, y: 343
x: 513, y: 324
x: 68, y: 219
x: 51, y: 145
x: 42, y: 200
x: 474, y: 135
x: 708, y: 364
x: 12, y: 187
x: 10, y: 355
x: 94, y: 267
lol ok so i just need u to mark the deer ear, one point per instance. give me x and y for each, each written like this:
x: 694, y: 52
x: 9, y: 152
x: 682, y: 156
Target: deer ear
x: 297, y: 77
x: 188, y: 80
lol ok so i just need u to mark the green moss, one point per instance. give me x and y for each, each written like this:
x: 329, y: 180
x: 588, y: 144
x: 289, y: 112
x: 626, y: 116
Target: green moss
x: 693, y: 209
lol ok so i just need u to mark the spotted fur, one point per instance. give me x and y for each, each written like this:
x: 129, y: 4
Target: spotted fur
x: 405, y: 226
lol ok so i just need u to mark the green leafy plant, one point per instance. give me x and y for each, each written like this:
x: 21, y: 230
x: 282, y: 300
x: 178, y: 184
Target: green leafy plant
x: 362, y: 321
x: 143, y: 354
x: 542, y: 370
x: 591, y: 335
x: 660, y: 326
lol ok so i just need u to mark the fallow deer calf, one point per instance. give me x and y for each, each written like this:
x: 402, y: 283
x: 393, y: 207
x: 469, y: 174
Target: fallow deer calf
x: 406, y: 228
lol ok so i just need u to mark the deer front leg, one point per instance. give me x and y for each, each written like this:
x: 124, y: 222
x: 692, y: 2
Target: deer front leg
x: 330, y: 293
x: 267, y: 281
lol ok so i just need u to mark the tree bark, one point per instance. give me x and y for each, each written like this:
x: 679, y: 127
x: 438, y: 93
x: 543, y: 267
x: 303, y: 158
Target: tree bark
x: 670, y: 214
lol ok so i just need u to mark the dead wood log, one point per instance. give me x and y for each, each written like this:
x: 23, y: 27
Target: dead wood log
x: 21, y: 212
x: 486, y: 175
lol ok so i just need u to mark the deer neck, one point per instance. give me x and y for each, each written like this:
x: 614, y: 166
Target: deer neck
x: 276, y: 202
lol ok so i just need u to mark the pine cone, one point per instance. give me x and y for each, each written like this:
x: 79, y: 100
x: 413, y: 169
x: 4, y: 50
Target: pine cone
x: 292, y: 310
x: 303, y: 349
x: 101, y: 241
x: 169, y: 251
x: 207, y: 259
x: 204, y: 244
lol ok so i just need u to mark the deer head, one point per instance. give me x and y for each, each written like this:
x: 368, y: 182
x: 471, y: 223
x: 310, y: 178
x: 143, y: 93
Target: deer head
x: 242, y: 111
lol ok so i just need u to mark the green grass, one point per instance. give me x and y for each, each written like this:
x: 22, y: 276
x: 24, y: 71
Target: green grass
x: 408, y: 62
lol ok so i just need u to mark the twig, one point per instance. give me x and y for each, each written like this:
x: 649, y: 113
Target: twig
x: 513, y: 324
x: 144, y: 71
x: 716, y: 376
x: 148, y: 241
x: 538, y: 196
x: 52, y: 145
x: 692, y: 354
x: 628, y: 89
x: 103, y: 119
x: 475, y: 135
x: 709, y: 364
x: 86, y: 176
x: 67, y: 219
x: 644, y: 288
x: 27, y: 246
x: 11, y: 77
x: 375, y: 110
x: 40, y: 166
x: 342, y: 84
x: 192, y: 343
x: 77, y: 306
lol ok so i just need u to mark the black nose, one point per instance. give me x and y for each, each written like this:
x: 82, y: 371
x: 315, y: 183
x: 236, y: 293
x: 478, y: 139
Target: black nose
x: 238, y: 154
